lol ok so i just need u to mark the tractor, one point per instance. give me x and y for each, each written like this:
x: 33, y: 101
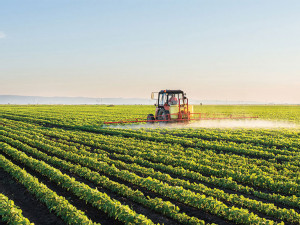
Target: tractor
x: 171, y: 106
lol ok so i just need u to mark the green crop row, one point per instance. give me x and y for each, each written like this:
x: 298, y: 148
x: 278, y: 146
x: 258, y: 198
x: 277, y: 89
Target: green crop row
x: 96, y: 114
x: 203, y: 144
x: 272, y: 153
x: 208, y: 204
x: 54, y: 202
x: 281, y: 139
x: 11, y: 213
x: 134, y: 157
x: 255, y: 178
x: 156, y: 204
x: 221, y: 182
x: 225, y: 183
x: 239, y: 200
x: 99, y: 200
x: 287, y: 174
x: 282, y: 172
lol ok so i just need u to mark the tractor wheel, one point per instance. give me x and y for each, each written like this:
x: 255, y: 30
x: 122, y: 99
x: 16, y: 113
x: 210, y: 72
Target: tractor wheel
x: 163, y: 115
x: 150, y: 118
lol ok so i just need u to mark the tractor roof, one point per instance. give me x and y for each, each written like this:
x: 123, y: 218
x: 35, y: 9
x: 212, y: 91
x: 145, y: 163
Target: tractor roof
x: 171, y: 91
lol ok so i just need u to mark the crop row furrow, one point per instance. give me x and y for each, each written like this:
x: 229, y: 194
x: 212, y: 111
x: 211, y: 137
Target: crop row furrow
x: 291, y: 201
x: 54, y: 202
x: 208, y: 204
x: 282, y: 172
x: 256, y: 179
x: 99, y: 200
x: 221, y: 182
x: 239, y: 200
x: 156, y: 204
x: 283, y: 155
x: 200, y: 157
x: 10, y: 213
x: 168, y: 139
x: 254, y: 138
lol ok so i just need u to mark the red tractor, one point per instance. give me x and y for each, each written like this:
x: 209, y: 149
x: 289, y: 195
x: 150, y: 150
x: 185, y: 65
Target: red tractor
x: 171, y: 106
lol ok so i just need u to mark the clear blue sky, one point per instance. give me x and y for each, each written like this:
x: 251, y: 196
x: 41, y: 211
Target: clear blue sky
x: 214, y: 50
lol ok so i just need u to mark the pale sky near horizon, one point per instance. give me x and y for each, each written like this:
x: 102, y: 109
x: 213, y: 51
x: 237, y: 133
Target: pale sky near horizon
x: 246, y: 50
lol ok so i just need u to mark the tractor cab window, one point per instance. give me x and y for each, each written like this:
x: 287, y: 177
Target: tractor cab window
x: 162, y: 99
x: 170, y: 99
x: 173, y: 99
x: 180, y: 99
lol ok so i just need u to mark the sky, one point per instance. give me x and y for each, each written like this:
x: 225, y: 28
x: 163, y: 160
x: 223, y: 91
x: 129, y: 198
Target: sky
x: 247, y: 50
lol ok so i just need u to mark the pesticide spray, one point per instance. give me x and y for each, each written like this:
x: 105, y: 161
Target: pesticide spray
x: 222, y: 124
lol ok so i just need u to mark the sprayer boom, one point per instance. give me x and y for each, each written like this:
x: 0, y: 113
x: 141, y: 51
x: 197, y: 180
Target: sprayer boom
x: 202, y: 116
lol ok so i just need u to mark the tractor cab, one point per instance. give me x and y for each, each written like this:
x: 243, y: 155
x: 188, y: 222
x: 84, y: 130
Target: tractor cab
x: 170, y: 105
x: 170, y: 97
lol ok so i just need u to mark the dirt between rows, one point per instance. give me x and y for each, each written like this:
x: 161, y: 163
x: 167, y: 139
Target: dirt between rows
x: 189, y: 210
x: 93, y: 213
x: 32, y: 209
x: 229, y: 191
x: 138, y: 208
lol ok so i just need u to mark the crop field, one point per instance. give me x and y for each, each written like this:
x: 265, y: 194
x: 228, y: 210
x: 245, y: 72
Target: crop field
x: 61, y: 165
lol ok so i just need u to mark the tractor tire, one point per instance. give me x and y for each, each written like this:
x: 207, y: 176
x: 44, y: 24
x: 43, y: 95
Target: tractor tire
x: 150, y: 118
x: 163, y: 115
